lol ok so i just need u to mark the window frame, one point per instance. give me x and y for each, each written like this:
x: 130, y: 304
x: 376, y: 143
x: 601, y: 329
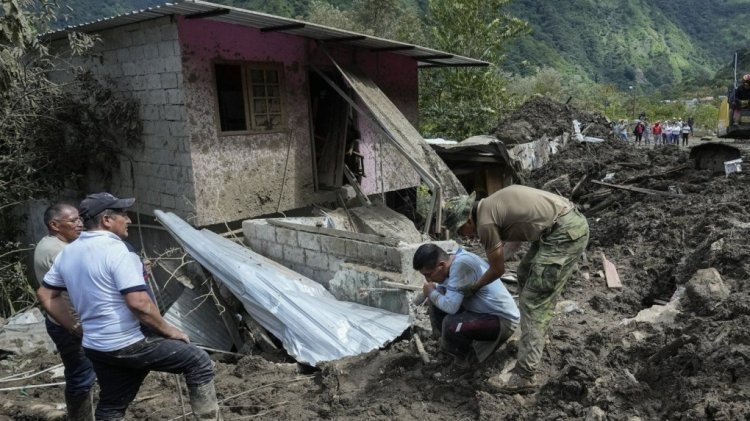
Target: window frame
x: 246, y: 67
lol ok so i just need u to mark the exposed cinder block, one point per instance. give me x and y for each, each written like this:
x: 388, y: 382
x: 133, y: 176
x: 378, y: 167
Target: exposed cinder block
x: 175, y: 96
x: 274, y: 251
x: 178, y: 128
x: 351, y: 249
x: 167, y: 201
x: 168, y: 80
x: 334, y: 262
x: 129, y: 69
x: 173, y: 112
x: 309, y: 240
x: 266, y: 232
x: 166, y: 49
x: 136, y: 52
x: 151, y: 50
x: 371, y: 253
x: 333, y: 245
x: 287, y: 237
x: 316, y: 259
x: 294, y: 254
x: 157, y: 97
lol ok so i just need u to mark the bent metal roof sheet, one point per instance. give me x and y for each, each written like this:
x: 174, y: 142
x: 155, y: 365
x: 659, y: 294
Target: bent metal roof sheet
x: 197, y: 9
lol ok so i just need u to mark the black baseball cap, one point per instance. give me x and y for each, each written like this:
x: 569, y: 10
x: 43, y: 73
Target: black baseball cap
x: 96, y: 203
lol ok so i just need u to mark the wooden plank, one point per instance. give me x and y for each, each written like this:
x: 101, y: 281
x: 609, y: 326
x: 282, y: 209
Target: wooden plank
x: 610, y: 272
x: 637, y: 189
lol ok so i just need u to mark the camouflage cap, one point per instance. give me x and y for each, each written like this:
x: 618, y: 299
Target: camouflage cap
x: 457, y: 210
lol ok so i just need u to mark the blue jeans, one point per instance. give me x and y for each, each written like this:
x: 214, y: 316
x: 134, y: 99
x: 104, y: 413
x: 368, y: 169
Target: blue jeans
x: 79, y: 372
x: 121, y: 372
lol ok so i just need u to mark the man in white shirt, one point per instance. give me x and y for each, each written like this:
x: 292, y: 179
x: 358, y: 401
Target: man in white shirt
x: 106, y: 287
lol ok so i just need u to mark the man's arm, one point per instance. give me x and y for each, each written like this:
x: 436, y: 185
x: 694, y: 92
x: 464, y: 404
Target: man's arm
x: 140, y: 303
x: 54, y: 304
x: 496, y: 259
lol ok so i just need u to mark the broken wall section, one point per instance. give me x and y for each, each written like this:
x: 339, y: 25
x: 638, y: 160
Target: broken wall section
x: 365, y: 268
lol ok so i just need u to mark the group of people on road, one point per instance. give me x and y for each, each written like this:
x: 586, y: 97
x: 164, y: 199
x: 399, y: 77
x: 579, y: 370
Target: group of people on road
x: 670, y: 132
x: 102, y: 315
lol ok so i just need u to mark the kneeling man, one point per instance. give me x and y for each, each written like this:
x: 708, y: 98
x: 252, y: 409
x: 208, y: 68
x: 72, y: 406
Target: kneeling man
x: 483, y: 321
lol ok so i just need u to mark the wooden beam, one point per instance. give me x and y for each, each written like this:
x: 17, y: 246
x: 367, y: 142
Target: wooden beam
x: 345, y: 39
x: 610, y: 273
x: 637, y: 189
x: 392, y: 48
x: 208, y: 14
x: 289, y: 26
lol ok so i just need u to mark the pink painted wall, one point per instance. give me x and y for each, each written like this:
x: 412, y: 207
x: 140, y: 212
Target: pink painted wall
x: 242, y: 176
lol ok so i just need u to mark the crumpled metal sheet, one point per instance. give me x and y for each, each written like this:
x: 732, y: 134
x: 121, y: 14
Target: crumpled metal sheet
x: 311, y: 324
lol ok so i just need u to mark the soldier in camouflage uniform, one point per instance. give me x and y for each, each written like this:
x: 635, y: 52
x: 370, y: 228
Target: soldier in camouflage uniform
x: 559, y: 235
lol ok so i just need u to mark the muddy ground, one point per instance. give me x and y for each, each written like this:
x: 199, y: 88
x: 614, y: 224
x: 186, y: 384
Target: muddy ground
x: 594, y: 366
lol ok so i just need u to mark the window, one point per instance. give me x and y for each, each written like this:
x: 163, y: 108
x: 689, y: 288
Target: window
x: 249, y: 97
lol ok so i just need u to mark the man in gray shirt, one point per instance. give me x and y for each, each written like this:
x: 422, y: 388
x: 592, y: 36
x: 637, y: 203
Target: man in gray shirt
x: 63, y: 227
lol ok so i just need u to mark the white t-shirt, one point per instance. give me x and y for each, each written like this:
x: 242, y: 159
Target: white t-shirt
x: 97, y: 270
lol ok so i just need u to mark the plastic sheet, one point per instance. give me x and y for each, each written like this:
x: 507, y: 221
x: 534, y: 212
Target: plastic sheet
x: 311, y: 324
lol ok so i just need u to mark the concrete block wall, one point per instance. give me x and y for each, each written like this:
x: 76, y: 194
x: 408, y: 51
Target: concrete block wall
x: 143, y: 60
x: 317, y: 256
x: 321, y: 255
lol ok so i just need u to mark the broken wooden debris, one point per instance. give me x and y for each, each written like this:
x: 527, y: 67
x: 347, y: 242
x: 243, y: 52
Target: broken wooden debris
x: 401, y: 286
x: 578, y: 185
x: 420, y: 349
x: 610, y: 272
x: 637, y: 189
x: 670, y: 171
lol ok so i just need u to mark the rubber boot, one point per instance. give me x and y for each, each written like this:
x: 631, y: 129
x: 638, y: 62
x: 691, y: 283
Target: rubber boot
x: 79, y: 407
x: 204, y: 403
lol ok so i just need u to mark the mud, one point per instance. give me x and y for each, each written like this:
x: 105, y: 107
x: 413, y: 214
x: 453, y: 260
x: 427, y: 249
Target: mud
x: 595, y: 366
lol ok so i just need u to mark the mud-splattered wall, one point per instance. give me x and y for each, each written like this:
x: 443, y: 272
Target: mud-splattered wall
x: 143, y: 61
x: 241, y: 176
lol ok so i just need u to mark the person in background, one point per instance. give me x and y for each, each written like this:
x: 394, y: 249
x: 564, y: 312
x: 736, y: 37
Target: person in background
x: 656, y: 130
x: 638, y: 131
x: 63, y: 227
x: 483, y: 321
x: 685, y: 131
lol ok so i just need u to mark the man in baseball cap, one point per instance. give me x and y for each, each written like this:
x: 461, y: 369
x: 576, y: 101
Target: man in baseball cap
x: 96, y: 203
x: 106, y: 287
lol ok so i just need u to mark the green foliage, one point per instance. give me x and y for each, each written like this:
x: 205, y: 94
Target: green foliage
x: 381, y: 18
x: 460, y: 102
x: 51, y: 134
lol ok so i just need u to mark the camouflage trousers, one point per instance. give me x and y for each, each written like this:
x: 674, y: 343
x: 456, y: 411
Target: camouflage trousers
x: 542, y: 275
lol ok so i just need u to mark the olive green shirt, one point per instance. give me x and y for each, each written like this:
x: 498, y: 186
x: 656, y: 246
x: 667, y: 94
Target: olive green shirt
x: 518, y: 213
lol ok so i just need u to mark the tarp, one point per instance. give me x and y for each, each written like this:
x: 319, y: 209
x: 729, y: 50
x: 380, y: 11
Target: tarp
x: 311, y: 324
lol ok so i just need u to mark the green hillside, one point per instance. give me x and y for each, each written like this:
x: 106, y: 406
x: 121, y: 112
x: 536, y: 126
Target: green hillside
x: 653, y: 44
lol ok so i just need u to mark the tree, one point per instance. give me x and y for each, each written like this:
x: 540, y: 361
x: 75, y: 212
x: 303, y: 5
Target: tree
x: 460, y: 102
x: 51, y: 134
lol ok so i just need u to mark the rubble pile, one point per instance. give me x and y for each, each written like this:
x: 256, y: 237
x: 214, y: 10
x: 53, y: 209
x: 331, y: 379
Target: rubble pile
x: 672, y: 343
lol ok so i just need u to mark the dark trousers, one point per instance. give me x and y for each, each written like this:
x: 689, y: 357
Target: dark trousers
x: 459, y: 330
x: 121, y: 372
x: 79, y: 372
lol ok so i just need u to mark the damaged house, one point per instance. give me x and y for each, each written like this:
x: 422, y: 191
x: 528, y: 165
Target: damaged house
x: 247, y: 114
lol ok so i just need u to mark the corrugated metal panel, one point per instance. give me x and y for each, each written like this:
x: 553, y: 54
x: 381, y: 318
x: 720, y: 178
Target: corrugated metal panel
x: 261, y: 20
x: 310, y: 322
x: 199, y: 318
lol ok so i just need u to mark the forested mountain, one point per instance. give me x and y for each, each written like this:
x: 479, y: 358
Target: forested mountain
x: 626, y: 42
x: 648, y: 43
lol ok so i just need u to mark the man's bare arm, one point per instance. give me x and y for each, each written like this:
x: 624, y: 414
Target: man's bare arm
x: 496, y: 259
x: 140, y: 303
x: 59, y: 309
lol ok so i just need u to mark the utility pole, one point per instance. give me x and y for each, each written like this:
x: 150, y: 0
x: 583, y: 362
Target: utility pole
x: 633, y: 91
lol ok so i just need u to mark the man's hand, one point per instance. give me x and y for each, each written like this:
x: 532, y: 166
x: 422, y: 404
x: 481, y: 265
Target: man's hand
x: 427, y: 288
x: 468, y: 290
x: 175, y: 333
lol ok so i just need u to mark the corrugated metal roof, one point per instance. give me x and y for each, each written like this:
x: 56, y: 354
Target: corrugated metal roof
x: 197, y: 9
